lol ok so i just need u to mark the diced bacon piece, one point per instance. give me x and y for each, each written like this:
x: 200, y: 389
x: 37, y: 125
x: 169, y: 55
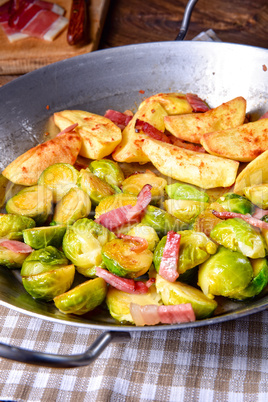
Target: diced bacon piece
x: 144, y: 199
x: 12, y: 34
x: 197, y: 104
x: 118, y: 118
x: 264, y: 116
x: 16, y: 246
x: 168, y: 266
x: 123, y: 284
x: 152, y: 314
x: 247, y: 218
x: 150, y: 130
x: 187, y: 145
x: 138, y: 248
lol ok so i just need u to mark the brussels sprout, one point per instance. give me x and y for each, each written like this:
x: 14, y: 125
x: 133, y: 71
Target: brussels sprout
x: 185, y: 210
x: 42, y: 237
x: 108, y: 171
x: 121, y: 258
x: 10, y: 258
x: 12, y: 226
x: 195, y: 248
x: 182, y: 191
x: 180, y: 293
x: 134, y: 184
x: 50, y: 284
x: 34, y: 202
x: 83, y: 298
x: 258, y: 195
x: 162, y: 221
x: 238, y: 235
x: 82, y: 244
x: 205, y: 222
x: 43, y: 260
x: 59, y: 178
x: 236, y: 203
x: 145, y: 232
x: 74, y: 205
x: 226, y: 273
x: 113, y: 202
x: 96, y: 188
x: 118, y: 302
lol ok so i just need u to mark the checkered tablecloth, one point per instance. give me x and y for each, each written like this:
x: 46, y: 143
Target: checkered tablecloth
x: 216, y: 363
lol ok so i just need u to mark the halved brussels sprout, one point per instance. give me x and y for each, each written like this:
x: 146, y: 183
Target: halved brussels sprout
x: 226, y: 273
x: 96, y: 188
x: 145, y: 232
x: 162, y: 221
x: 83, y: 298
x: 180, y: 293
x: 238, y: 235
x: 82, y: 244
x: 10, y: 258
x: 258, y: 195
x: 182, y: 191
x: 42, y: 237
x: 236, y: 203
x: 12, y: 226
x: 35, y: 202
x: 134, y: 184
x: 48, y: 285
x: 108, y: 170
x: 113, y: 202
x: 74, y: 205
x: 121, y: 258
x: 195, y: 248
x: 118, y: 302
x: 185, y: 210
x: 43, y: 260
x: 59, y: 178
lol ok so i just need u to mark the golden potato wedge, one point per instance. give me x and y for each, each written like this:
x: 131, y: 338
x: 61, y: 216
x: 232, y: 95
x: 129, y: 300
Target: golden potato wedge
x: 203, y: 170
x: 243, y: 143
x: 258, y: 195
x: 173, y: 102
x: 26, y: 169
x: 99, y: 135
x: 191, y: 127
x: 130, y: 148
x: 255, y: 173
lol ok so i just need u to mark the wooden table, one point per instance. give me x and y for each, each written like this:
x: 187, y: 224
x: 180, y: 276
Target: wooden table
x: 139, y: 21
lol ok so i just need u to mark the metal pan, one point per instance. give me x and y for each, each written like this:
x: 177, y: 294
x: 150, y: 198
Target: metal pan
x: 97, y: 82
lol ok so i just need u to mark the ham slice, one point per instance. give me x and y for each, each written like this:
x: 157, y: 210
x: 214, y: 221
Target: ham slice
x: 118, y: 118
x: 152, y: 314
x: 150, y: 130
x: 168, y: 266
x: 247, y: 218
x: 197, y: 104
x: 16, y: 246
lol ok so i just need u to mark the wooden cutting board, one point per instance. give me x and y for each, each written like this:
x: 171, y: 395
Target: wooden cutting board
x: 29, y: 54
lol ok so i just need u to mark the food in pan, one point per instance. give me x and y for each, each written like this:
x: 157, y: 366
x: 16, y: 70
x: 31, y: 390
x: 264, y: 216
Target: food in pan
x: 129, y: 213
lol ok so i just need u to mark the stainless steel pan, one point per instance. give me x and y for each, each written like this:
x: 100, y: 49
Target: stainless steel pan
x: 112, y: 79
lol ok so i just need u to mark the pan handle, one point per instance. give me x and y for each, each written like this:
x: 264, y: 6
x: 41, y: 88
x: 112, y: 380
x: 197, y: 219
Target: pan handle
x: 64, y: 361
x: 186, y: 19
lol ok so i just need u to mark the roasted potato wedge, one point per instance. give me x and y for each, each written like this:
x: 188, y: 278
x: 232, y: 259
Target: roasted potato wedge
x: 27, y: 168
x: 243, y: 143
x: 99, y: 135
x: 191, y: 127
x: 203, y: 170
x: 173, y: 103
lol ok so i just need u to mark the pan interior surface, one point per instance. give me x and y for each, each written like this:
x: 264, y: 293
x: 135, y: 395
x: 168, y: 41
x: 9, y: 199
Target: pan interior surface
x: 119, y: 79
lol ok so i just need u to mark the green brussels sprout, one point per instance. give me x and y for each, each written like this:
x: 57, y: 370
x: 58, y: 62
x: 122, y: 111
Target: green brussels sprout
x: 134, y: 184
x: 195, y: 248
x: 11, y: 259
x: 238, y: 235
x: 59, y: 178
x: 145, y: 232
x: 74, y: 205
x: 173, y: 293
x: 108, y: 170
x: 124, y: 258
x: 82, y: 244
x: 236, y: 203
x: 43, y: 260
x: 162, y: 221
x: 44, y: 236
x: 96, y: 188
x: 118, y: 302
x: 12, y: 226
x: 82, y: 298
x: 226, y: 273
x: 258, y: 195
x: 185, y: 210
x: 35, y: 202
x: 113, y: 202
x: 182, y: 191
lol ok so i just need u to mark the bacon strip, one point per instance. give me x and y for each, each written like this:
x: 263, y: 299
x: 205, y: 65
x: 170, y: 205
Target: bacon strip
x: 138, y: 248
x: 259, y: 213
x: 197, y: 104
x: 118, y: 118
x: 247, y: 218
x: 152, y: 314
x: 68, y: 129
x: 16, y: 246
x: 168, y: 266
x: 150, y: 130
